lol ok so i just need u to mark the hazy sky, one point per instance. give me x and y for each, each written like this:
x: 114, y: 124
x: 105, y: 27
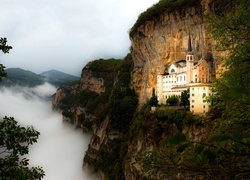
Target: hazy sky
x: 65, y: 35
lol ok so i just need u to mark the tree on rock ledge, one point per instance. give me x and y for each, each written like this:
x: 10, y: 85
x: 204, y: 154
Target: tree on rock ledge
x: 14, y: 142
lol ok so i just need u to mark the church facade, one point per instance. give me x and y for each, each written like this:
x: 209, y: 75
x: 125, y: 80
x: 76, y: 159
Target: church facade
x: 190, y: 74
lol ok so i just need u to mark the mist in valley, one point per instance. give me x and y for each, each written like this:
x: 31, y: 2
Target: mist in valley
x: 61, y: 147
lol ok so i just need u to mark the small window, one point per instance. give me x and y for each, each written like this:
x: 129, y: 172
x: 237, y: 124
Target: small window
x: 192, y: 88
x: 184, y: 77
x: 202, y: 68
x: 177, y: 79
x: 192, y: 100
x: 204, y: 106
x: 172, y: 70
x: 192, y: 106
x: 204, y: 95
x: 204, y: 88
x: 204, y: 101
x: 192, y: 94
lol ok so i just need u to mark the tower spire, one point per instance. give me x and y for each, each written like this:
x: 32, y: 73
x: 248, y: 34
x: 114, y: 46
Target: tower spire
x: 189, y: 44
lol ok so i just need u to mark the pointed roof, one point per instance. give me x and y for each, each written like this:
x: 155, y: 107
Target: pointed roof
x: 189, y: 44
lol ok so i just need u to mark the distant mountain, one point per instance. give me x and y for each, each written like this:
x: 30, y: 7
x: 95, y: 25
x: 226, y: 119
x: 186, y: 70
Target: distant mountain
x: 57, y: 77
x: 18, y: 76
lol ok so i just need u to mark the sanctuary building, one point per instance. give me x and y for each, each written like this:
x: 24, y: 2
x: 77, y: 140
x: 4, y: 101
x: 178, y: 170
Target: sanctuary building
x: 192, y: 75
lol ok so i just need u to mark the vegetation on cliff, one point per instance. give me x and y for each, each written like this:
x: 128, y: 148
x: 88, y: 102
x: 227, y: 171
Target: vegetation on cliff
x: 181, y: 145
x: 163, y: 6
x: 225, y: 153
x: 120, y: 107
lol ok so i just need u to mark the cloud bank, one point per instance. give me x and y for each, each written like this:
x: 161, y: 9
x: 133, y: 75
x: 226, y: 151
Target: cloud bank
x: 60, y: 148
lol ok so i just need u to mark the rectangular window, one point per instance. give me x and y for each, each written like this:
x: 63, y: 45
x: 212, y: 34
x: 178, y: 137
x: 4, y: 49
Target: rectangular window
x: 204, y: 95
x: 192, y: 94
x: 192, y: 100
x: 184, y: 78
x: 192, y: 106
x: 192, y: 88
x: 204, y: 88
x: 204, y: 106
x: 204, y: 101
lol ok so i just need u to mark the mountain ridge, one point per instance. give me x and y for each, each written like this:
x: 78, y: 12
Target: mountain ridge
x: 21, y: 77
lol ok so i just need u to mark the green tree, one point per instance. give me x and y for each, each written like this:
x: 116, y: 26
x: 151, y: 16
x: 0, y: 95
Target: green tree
x: 184, y: 99
x: 226, y: 153
x: 231, y: 28
x: 172, y: 100
x: 153, y: 100
x: 5, y: 49
x: 14, y: 143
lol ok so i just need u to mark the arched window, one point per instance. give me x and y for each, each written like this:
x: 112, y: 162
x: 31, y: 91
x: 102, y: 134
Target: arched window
x: 172, y: 70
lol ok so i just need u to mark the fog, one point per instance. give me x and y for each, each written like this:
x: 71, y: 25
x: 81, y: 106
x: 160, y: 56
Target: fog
x: 61, y: 147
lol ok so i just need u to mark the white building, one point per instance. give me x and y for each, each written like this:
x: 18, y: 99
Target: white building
x: 193, y: 76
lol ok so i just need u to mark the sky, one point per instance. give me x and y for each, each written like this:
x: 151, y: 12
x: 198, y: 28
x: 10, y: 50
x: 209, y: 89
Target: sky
x: 65, y: 35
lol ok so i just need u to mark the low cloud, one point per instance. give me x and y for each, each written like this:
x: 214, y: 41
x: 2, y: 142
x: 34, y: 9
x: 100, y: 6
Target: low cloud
x: 60, y: 148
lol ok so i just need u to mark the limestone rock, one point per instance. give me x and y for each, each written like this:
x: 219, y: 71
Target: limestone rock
x: 157, y: 43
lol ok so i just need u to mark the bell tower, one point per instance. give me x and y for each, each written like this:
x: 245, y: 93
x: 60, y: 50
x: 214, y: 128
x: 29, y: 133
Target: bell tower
x: 189, y: 62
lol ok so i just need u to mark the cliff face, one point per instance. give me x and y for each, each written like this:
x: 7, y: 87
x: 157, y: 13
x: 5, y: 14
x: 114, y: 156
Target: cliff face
x: 116, y: 139
x: 92, y: 80
x: 68, y: 98
x: 158, y: 42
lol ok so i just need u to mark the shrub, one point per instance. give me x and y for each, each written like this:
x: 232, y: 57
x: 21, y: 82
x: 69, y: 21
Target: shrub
x: 173, y: 100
